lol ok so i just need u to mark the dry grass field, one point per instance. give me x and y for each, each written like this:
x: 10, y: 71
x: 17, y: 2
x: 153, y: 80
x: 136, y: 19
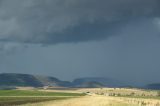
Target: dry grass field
x: 80, y: 97
x: 85, y: 101
x: 104, y: 97
x: 99, y: 101
x: 120, y: 92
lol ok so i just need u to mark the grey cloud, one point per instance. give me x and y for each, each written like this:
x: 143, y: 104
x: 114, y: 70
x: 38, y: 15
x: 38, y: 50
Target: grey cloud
x: 58, y: 21
x: 9, y: 48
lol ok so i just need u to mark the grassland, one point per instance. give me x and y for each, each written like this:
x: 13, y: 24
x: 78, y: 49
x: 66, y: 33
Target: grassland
x: 138, y: 97
x: 95, y: 100
x: 19, y: 97
x: 12, y: 101
x: 35, y: 93
x: 80, y: 97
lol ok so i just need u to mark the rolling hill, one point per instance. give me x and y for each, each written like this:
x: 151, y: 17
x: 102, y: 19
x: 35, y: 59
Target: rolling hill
x: 15, y: 79
x: 155, y: 86
x: 12, y: 79
x: 101, y: 81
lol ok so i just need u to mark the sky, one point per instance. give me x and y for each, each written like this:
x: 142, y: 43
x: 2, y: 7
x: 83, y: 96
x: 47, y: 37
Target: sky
x: 69, y: 39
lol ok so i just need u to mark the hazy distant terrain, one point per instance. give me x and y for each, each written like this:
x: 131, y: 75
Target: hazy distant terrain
x: 34, y: 90
x: 26, y: 80
x: 155, y: 86
x: 15, y: 79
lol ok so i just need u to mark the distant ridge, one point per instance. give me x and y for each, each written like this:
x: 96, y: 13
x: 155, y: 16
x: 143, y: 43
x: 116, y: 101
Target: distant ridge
x: 155, y: 86
x: 13, y: 79
x: 16, y: 79
x: 101, y: 81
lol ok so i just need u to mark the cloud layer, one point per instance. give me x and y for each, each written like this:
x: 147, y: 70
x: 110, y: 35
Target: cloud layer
x: 60, y: 21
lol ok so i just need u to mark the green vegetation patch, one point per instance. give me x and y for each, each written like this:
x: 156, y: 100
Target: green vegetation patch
x: 18, y: 97
x: 12, y: 101
x: 35, y: 93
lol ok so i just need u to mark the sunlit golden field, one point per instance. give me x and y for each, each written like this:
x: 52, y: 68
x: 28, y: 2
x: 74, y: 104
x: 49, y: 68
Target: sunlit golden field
x: 85, y: 101
x: 99, y: 101
x: 100, y: 97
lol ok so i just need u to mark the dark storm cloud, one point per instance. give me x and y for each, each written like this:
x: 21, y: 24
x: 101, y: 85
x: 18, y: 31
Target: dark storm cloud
x: 59, y: 21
